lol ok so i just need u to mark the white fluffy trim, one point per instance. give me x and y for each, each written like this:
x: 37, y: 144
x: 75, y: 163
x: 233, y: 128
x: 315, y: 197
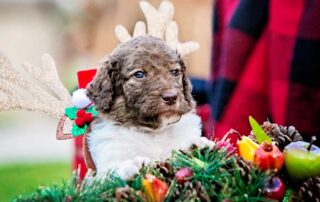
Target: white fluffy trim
x: 80, y: 98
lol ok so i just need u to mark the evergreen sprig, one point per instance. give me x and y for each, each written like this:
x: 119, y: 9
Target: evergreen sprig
x: 89, y: 190
x: 220, y: 175
x: 216, y: 177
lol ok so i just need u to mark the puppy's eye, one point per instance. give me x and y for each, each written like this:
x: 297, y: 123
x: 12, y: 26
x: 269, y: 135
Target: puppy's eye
x: 175, y: 72
x: 139, y: 74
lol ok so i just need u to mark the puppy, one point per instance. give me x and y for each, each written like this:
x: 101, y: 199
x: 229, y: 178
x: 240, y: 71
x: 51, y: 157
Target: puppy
x: 146, y: 107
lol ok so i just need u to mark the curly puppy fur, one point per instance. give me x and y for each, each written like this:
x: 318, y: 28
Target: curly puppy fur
x: 138, y: 102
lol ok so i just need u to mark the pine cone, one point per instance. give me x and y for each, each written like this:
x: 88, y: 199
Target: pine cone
x: 281, y: 135
x: 125, y: 194
x: 202, y: 194
x: 310, y: 190
x: 190, y: 191
x: 165, y: 169
x: 294, y: 197
x: 245, y: 168
x: 180, y: 188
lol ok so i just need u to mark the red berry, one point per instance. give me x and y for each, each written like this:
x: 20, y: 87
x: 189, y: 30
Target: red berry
x: 268, y: 156
x: 88, y: 118
x: 184, y: 174
x: 160, y: 189
x: 80, y: 122
x: 81, y: 113
x: 274, y: 188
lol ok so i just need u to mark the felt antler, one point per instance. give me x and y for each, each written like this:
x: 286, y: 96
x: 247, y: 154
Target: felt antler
x: 157, y: 20
x: 38, y: 90
x: 172, y: 40
x: 160, y: 25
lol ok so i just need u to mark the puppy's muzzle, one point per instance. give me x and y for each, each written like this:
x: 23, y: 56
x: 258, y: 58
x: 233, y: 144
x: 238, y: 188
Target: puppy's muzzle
x: 169, y: 97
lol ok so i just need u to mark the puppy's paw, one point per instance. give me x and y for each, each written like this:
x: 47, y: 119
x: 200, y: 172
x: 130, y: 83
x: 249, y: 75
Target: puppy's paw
x: 140, y: 160
x: 203, y: 142
x: 127, y: 169
x: 131, y: 167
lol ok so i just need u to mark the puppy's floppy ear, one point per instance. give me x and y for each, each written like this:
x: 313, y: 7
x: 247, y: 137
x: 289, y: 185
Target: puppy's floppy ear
x: 101, y: 89
x: 187, y: 87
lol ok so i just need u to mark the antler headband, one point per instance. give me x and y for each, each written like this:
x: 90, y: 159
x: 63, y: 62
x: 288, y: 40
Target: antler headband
x: 160, y: 25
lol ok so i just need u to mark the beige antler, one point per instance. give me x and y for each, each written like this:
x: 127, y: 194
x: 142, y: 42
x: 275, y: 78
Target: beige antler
x: 160, y: 25
x: 157, y: 20
x: 39, y: 90
x: 172, y: 39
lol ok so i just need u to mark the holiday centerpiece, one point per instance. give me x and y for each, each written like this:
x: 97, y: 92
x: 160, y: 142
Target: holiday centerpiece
x: 279, y: 166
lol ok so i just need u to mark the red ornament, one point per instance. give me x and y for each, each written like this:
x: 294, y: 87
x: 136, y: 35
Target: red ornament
x: 88, y: 117
x: 79, y: 122
x: 81, y: 113
x: 274, y: 188
x: 184, y: 174
x: 154, y: 188
x: 268, y: 156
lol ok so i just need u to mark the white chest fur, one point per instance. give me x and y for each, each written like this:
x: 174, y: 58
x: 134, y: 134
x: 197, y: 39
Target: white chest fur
x: 111, y: 146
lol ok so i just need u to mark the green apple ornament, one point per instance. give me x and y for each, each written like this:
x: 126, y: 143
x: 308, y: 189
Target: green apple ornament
x: 302, y: 159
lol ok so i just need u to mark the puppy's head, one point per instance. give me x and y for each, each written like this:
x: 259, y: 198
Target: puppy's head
x: 143, y: 84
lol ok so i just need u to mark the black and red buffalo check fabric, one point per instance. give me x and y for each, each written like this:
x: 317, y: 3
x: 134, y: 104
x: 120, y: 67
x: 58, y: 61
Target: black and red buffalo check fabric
x: 266, y: 63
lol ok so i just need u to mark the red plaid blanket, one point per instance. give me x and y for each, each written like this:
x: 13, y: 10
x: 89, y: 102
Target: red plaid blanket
x: 266, y: 63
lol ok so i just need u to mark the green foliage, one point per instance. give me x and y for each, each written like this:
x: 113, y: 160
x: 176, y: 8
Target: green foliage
x: 71, y: 112
x: 287, y: 196
x: 89, y: 190
x: 76, y: 130
x: 216, y: 177
x: 208, y: 165
x: 92, y: 110
x: 239, y: 189
x: 220, y: 176
x: 261, y: 136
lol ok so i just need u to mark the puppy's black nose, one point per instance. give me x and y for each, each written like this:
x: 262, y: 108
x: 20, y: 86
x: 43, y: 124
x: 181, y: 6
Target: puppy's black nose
x: 169, y: 97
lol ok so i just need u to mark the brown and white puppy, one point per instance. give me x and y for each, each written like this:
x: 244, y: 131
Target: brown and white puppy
x: 146, y: 107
